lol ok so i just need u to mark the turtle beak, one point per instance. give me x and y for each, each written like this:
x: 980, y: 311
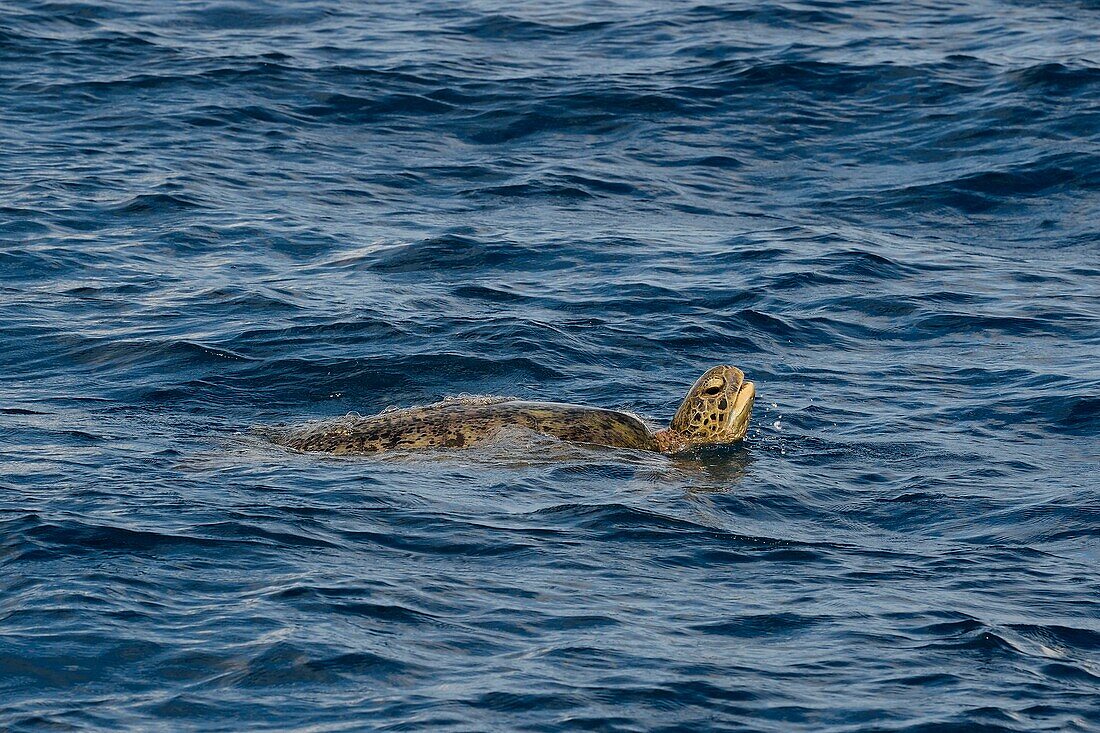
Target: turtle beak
x: 741, y: 411
x: 743, y: 393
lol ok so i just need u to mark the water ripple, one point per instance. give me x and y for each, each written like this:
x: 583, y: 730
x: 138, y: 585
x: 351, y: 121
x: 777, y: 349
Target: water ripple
x: 221, y: 217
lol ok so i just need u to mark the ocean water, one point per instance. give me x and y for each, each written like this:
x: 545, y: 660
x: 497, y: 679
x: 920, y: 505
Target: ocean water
x: 218, y: 216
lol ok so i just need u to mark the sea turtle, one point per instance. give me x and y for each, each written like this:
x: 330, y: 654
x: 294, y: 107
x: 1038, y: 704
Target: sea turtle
x: 715, y: 411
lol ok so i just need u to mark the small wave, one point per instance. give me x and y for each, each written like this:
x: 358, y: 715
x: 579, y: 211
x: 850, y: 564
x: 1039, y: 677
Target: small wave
x: 320, y: 378
x: 338, y: 601
x: 767, y: 625
x: 237, y: 16
x: 104, y: 354
x: 43, y: 540
x: 156, y: 204
x: 285, y: 664
x: 357, y: 110
x: 458, y: 252
x: 1060, y: 78
x: 981, y: 191
x: 498, y: 26
x: 621, y: 523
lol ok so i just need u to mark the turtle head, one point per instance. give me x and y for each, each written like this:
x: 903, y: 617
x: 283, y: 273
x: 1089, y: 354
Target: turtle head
x: 716, y: 409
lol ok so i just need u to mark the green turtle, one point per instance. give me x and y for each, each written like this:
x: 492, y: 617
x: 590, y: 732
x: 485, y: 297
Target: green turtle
x: 715, y: 411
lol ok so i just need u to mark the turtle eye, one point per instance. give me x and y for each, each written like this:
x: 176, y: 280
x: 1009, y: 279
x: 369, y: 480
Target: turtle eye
x: 713, y: 390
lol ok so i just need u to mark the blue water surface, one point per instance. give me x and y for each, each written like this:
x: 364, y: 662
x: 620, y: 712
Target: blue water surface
x: 216, y: 216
